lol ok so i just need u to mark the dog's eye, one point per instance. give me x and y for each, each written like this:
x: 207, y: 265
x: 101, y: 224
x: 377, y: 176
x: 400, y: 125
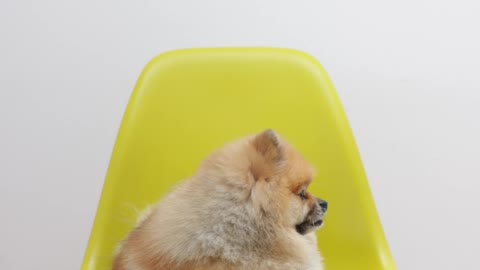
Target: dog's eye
x: 302, y: 194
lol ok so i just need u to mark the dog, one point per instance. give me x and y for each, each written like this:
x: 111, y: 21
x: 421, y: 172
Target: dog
x: 246, y: 208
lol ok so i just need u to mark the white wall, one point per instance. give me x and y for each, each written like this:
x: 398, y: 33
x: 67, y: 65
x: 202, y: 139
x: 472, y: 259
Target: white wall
x: 407, y: 73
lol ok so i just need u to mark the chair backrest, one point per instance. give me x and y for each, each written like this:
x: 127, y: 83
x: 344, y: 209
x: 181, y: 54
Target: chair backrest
x: 189, y: 102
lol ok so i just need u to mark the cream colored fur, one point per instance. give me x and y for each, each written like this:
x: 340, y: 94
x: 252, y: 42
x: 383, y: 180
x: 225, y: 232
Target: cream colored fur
x: 226, y: 217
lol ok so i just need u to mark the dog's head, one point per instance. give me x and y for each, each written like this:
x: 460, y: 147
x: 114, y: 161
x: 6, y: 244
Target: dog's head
x: 282, y: 177
x: 265, y: 172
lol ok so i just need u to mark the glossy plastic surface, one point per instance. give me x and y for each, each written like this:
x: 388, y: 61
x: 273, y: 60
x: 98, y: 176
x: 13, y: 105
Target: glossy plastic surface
x: 189, y: 102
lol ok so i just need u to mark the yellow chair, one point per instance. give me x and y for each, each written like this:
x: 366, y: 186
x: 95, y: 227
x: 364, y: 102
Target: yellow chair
x: 189, y: 102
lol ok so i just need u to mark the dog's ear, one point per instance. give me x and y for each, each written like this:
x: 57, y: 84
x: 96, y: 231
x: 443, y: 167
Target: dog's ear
x: 267, y: 144
x: 269, y: 154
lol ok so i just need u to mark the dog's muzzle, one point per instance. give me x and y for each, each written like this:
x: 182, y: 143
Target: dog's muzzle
x: 314, y: 218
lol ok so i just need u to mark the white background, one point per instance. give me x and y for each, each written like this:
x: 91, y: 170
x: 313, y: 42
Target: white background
x: 407, y: 73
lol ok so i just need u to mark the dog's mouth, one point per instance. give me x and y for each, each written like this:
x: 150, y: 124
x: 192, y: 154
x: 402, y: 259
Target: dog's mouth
x: 308, y: 226
x: 318, y: 223
x: 314, y: 219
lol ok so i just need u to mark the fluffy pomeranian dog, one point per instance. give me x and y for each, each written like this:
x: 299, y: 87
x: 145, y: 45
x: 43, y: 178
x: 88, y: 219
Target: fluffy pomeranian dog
x: 246, y: 208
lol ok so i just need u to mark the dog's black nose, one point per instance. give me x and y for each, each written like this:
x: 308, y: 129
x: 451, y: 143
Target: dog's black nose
x: 323, y: 204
